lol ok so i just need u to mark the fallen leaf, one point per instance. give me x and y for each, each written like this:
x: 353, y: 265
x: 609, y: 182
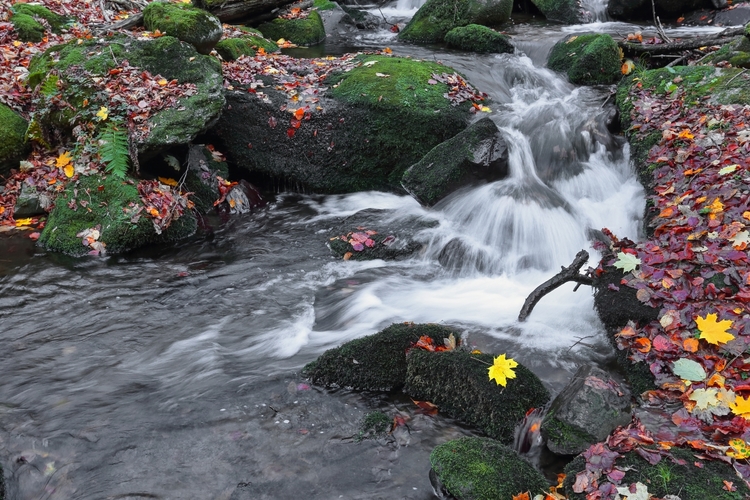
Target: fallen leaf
x: 713, y: 331
x: 687, y: 369
x: 102, y: 114
x: 502, y: 370
x: 627, y: 262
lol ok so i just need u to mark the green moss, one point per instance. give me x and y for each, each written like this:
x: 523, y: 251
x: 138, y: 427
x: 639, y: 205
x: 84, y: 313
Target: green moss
x: 375, y: 424
x: 56, y: 21
x: 106, y: 199
x: 324, y: 4
x: 457, y: 382
x: 437, y: 17
x: 565, y: 436
x: 564, y: 11
x: 669, y: 478
x: 232, y: 48
x: 13, y: 146
x: 27, y: 28
x: 190, y: 24
x: 483, y: 469
x: 478, y: 38
x: 587, y: 59
x: 374, y: 362
x: 305, y: 32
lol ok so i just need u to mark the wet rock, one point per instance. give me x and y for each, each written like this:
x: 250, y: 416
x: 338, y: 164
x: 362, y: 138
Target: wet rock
x: 631, y: 10
x: 246, y: 45
x: 693, y: 478
x: 26, y: 23
x: 480, y: 39
x: 563, y: 11
x: 203, y: 177
x: 375, y: 362
x: 437, y: 17
x: 617, y: 304
x: 31, y: 202
x: 183, y: 21
x: 738, y: 16
x: 458, y: 383
x: 477, y: 154
x: 362, y: 19
x: 301, y: 31
x: 242, y: 198
x: 374, y: 425
x: 372, y: 130
x: 592, y: 405
x: 474, y: 468
x: 13, y: 145
x: 587, y: 59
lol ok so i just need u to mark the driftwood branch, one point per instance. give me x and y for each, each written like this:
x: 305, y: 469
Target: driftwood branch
x: 570, y: 273
x: 689, y: 44
x: 232, y: 10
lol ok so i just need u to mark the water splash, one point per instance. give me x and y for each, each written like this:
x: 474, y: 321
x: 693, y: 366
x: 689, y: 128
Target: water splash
x: 597, y: 9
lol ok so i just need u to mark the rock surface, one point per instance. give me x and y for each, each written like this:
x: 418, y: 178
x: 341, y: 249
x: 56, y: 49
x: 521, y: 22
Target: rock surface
x: 437, y: 17
x: 587, y: 59
x: 302, y: 31
x: 190, y: 24
x: 13, y: 146
x: 563, y: 11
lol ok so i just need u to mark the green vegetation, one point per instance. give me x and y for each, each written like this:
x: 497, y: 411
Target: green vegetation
x: 307, y: 31
x: 375, y: 424
x: 587, y: 59
x: 113, y: 149
x: 324, y: 4
x: 478, y: 38
x: 185, y: 22
x: 232, y: 48
x: 564, y: 436
x: 564, y: 11
x: 483, y: 469
x: 13, y: 145
x: 24, y: 20
x: 437, y: 17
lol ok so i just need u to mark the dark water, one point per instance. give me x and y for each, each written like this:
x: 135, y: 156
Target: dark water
x: 173, y: 373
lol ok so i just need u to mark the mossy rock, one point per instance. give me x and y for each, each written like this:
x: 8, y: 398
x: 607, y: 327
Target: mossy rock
x: 437, y: 17
x: 232, y: 48
x: 13, y: 145
x: 375, y: 362
x: 587, y: 59
x: 324, y: 4
x: 306, y: 31
x: 473, y: 468
x: 107, y: 199
x: 458, y: 383
x: 476, y: 154
x: 480, y: 39
x: 563, y: 11
x: 668, y: 478
x: 201, y: 178
x: 190, y: 24
x: 374, y: 425
x: 24, y: 20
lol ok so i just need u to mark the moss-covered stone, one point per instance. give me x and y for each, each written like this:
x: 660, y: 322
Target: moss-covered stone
x: 375, y: 424
x: 27, y: 28
x: 13, y: 146
x: 232, y: 48
x: 185, y: 22
x: 669, y: 478
x: 306, y: 31
x: 563, y: 11
x: 478, y: 38
x: 24, y: 20
x: 375, y: 362
x: 472, y: 468
x: 324, y: 4
x: 587, y: 59
x: 437, y: 17
x: 475, y: 154
x: 110, y: 205
x: 457, y: 382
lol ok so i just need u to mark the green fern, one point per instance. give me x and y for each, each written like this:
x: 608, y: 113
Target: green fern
x: 49, y: 87
x: 113, y: 150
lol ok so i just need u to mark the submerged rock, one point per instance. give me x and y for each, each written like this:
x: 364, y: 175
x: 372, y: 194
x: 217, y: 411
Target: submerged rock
x: 376, y: 362
x: 473, y: 468
x: 587, y: 59
x: 563, y: 11
x: 477, y: 154
x: 203, y: 177
x: 458, y: 383
x: 592, y: 405
x: 13, y: 145
x: 304, y: 31
x: 183, y: 21
x: 478, y: 38
x: 436, y: 18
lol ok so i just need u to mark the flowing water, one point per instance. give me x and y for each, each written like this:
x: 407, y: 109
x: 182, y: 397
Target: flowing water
x: 173, y: 373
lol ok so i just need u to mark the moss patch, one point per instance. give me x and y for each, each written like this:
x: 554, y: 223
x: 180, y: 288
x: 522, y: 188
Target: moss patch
x: 437, y: 17
x: 564, y: 435
x: 483, y: 469
x: 24, y: 20
x: 587, y: 59
x: 232, y: 48
x: 190, y: 24
x: 457, y: 382
x: 110, y: 203
x: 478, y: 38
x: 13, y: 146
x: 374, y: 362
x: 375, y: 424
x: 324, y: 4
x: 307, y: 31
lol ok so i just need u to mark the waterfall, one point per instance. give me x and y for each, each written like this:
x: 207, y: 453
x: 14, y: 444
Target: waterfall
x: 403, y: 5
x: 597, y: 8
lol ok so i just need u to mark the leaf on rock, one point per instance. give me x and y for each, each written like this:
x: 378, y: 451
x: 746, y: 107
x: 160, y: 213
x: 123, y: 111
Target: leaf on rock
x: 687, y: 369
x: 637, y: 491
x: 713, y: 331
x: 502, y: 370
x: 627, y: 262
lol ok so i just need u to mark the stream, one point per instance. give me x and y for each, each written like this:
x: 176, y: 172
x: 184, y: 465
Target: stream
x: 173, y: 373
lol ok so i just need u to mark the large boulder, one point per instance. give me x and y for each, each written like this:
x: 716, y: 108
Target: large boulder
x: 360, y: 132
x: 477, y: 154
x: 376, y: 362
x: 587, y: 59
x: 308, y: 30
x: 563, y: 11
x: 13, y: 146
x: 185, y: 22
x: 437, y: 17
x: 473, y: 468
x: 30, y: 21
x: 247, y: 44
x: 592, y: 405
x: 458, y: 383
x: 480, y: 39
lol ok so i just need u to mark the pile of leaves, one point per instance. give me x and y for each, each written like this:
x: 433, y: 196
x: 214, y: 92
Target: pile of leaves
x: 362, y: 239
x: 460, y: 90
x: 694, y: 269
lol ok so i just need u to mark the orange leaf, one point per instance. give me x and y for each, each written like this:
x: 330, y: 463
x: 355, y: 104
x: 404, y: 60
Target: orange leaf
x: 690, y: 345
x: 427, y: 407
x: 522, y: 496
x: 685, y: 134
x: 299, y: 113
x: 643, y: 345
x: 63, y: 159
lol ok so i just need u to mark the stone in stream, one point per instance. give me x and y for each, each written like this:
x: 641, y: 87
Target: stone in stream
x: 13, y: 145
x: 190, y: 24
x: 31, y: 202
x: 303, y: 31
x: 376, y: 362
x: 436, y: 18
x: 476, y: 155
x: 480, y: 39
x: 563, y: 11
x: 458, y: 383
x: 592, y: 405
x: 587, y: 59
x: 473, y: 468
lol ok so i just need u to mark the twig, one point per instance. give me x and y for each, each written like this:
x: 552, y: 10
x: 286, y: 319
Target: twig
x: 735, y: 76
x: 676, y: 61
x: 113, y: 56
x: 579, y: 342
x: 657, y: 23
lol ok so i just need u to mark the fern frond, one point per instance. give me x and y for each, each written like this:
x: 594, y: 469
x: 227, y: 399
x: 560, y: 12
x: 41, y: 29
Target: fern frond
x: 113, y: 150
x: 49, y: 87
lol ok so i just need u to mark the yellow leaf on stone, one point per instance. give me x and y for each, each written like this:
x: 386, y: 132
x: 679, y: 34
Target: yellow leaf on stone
x: 63, y: 159
x: 102, y: 114
x: 502, y: 370
x: 167, y: 181
x: 713, y: 331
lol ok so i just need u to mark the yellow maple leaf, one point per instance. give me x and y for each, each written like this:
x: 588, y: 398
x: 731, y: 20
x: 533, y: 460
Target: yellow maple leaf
x: 502, y: 369
x: 741, y: 407
x: 685, y: 134
x: 68, y: 170
x: 713, y: 331
x: 103, y: 113
x: 739, y: 449
x: 63, y: 159
x: 23, y: 222
x: 168, y: 181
